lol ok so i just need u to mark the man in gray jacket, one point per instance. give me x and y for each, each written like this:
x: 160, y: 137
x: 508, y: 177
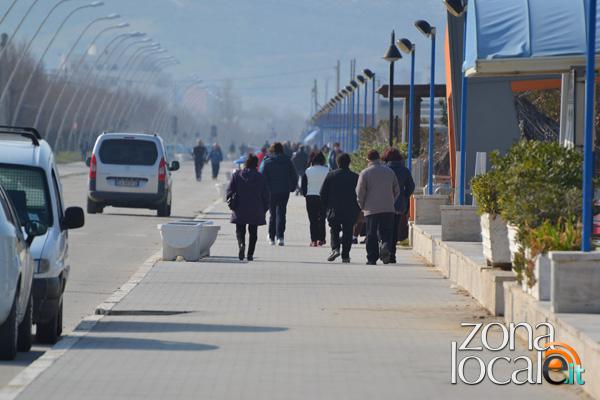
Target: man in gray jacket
x: 377, y: 191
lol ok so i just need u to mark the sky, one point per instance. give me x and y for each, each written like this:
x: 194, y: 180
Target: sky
x: 271, y: 50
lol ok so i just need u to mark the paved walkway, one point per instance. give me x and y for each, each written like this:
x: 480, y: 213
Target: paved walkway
x: 287, y: 326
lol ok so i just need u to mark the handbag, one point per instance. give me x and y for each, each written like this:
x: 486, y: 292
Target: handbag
x: 232, y: 201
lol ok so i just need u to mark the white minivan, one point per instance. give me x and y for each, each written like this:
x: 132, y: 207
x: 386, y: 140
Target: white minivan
x: 130, y: 170
x: 31, y: 180
x: 16, y: 277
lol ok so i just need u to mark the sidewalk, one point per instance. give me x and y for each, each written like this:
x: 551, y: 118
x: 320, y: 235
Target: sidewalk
x: 287, y: 326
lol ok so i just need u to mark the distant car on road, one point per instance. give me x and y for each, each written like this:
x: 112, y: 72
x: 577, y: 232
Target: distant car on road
x: 31, y: 180
x: 16, y: 276
x: 130, y: 170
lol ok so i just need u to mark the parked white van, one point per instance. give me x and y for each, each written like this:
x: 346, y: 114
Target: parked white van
x: 31, y: 180
x: 16, y: 276
x: 130, y: 170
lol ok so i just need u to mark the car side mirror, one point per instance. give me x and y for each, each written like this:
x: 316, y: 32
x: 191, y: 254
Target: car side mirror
x: 74, y: 218
x: 174, y: 166
x: 34, y: 229
x: 88, y: 161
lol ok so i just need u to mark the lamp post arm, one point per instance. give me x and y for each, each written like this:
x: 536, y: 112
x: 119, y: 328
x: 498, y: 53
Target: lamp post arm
x: 12, y: 5
x: 19, y: 25
x: 148, y: 77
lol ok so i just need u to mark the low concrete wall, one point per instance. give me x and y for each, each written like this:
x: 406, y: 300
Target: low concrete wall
x: 463, y: 263
x: 580, y: 331
x: 460, y: 224
x: 427, y: 209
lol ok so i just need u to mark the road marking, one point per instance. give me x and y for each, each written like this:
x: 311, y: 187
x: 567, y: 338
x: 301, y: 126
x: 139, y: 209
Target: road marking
x: 19, y: 383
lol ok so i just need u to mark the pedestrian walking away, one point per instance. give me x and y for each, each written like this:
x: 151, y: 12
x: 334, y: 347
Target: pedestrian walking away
x: 377, y: 190
x: 199, y: 159
x: 338, y: 195
x: 248, y: 197
x: 281, y: 180
x: 333, y: 155
x: 394, y: 161
x: 215, y: 156
x: 300, y: 161
x: 312, y: 181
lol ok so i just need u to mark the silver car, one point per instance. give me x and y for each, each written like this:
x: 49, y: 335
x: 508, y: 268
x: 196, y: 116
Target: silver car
x: 130, y: 170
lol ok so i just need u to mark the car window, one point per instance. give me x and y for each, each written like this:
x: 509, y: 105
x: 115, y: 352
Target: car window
x: 10, y: 217
x: 27, y: 188
x: 58, y: 194
x: 128, y: 152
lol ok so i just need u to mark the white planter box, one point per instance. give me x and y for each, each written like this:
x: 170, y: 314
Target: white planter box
x: 543, y: 277
x: 513, y: 245
x: 427, y: 209
x: 460, y: 224
x: 496, y: 248
x: 575, y: 282
x: 181, y: 239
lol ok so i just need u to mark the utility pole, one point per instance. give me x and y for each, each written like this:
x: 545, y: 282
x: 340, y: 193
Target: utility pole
x: 316, y: 96
x: 337, y: 75
x: 326, y: 91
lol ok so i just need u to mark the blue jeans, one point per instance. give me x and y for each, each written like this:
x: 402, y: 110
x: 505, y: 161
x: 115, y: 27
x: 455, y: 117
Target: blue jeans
x: 277, y: 211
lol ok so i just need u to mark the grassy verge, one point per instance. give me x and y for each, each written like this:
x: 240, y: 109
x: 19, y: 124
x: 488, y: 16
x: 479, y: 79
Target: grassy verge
x: 64, y: 157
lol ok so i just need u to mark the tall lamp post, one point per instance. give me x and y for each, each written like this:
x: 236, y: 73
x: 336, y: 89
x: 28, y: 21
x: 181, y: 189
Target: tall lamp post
x: 391, y: 56
x: 408, y: 47
x: 8, y: 10
x: 363, y: 81
x: 429, y: 31
x: 371, y: 75
x: 344, y: 116
x: 355, y: 113
x: 340, y: 117
x: 588, y: 142
x: 350, y: 102
x: 458, y: 8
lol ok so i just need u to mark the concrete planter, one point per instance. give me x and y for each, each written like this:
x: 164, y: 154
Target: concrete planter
x: 494, y: 235
x: 460, y: 224
x: 513, y: 245
x: 575, y: 280
x: 427, y: 209
x: 542, y: 274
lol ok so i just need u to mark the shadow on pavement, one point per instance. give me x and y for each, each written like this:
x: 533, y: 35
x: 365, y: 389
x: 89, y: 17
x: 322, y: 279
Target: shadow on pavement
x: 24, y: 359
x: 147, y: 327
x: 119, y: 343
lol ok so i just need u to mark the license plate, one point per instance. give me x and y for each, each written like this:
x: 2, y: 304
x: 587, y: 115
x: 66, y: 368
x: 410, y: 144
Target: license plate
x: 127, y: 182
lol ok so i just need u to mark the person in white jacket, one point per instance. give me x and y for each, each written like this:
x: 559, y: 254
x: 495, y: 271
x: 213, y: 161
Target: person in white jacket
x: 312, y: 181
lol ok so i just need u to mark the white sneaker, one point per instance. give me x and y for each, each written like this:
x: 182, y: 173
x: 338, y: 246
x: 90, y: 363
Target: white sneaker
x: 280, y: 242
x: 272, y: 242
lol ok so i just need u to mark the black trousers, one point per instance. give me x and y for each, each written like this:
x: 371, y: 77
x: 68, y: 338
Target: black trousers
x: 240, y: 232
x: 215, y: 169
x: 345, y: 242
x: 316, y: 217
x: 198, y: 166
x: 379, y: 229
x: 277, y: 211
x: 398, y: 219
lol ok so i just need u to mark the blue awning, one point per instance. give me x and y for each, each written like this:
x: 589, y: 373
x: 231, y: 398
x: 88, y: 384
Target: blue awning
x: 506, y: 37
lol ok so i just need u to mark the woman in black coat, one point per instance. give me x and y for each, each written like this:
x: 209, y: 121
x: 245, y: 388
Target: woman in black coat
x: 248, y: 197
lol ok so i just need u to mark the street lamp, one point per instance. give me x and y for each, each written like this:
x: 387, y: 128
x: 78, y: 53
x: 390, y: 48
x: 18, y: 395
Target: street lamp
x: 77, y: 67
x: 429, y: 31
x: 345, y: 94
x: 371, y: 75
x: 350, y: 130
x: 19, y: 25
x: 408, y: 47
x: 363, y: 81
x: 110, y: 49
x: 108, y: 94
x: 355, y: 114
x: 458, y: 9
x: 41, y: 58
x: 391, y: 56
x: 8, y: 11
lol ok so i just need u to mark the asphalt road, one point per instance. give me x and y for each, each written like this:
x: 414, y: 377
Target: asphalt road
x: 111, y: 247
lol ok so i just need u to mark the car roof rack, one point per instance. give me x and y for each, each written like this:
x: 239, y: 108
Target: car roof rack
x: 29, y: 133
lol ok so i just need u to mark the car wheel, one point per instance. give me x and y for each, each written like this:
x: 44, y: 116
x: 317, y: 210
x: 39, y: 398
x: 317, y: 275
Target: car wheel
x: 49, y: 333
x: 25, y: 327
x: 9, y: 334
x: 164, y: 210
x: 92, y: 207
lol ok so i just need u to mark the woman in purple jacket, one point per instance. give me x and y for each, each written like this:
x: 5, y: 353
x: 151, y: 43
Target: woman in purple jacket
x: 249, y: 198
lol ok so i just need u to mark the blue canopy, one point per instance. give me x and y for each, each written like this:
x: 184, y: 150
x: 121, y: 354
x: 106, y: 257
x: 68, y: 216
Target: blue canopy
x: 507, y: 37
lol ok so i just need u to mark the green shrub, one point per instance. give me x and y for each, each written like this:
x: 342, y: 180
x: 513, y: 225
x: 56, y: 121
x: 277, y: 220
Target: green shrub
x: 371, y: 140
x: 541, y: 181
